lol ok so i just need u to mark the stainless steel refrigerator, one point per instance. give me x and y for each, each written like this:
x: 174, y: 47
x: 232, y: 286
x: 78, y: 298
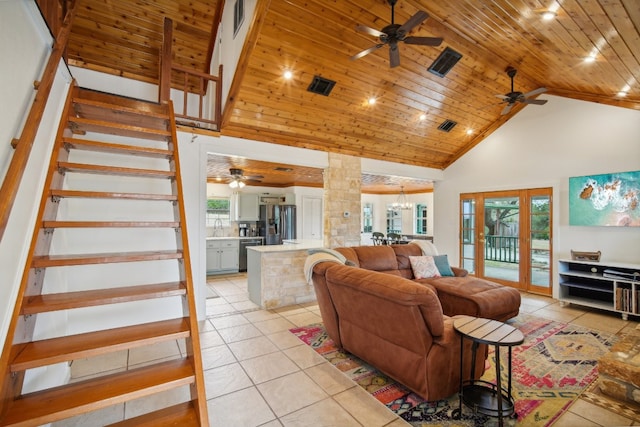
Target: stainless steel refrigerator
x: 277, y: 223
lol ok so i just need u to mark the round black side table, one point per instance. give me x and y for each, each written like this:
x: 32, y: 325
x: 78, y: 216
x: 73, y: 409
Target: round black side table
x: 482, y: 396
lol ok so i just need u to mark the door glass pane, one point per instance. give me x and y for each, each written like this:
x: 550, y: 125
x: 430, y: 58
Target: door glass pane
x: 467, y: 231
x: 501, y: 232
x: 540, y: 239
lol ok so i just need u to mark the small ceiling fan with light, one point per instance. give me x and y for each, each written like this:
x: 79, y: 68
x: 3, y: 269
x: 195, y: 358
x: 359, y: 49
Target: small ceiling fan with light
x: 239, y: 180
x: 513, y: 97
x: 394, y: 33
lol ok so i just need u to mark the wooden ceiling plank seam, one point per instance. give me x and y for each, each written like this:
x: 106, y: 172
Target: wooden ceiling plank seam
x: 323, y: 117
x: 407, y: 82
x: 614, y: 22
x: 588, y: 27
x: 324, y: 143
x: 364, y: 142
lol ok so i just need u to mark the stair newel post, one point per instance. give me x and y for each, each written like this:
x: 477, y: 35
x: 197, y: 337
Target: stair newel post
x: 165, y: 62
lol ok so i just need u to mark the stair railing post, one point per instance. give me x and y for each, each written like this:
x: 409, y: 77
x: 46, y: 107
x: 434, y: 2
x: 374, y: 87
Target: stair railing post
x: 165, y: 62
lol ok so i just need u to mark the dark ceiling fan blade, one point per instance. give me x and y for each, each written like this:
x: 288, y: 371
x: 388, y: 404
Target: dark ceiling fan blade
x: 414, y: 21
x: 366, y: 52
x: 535, y: 101
x: 535, y: 92
x: 368, y: 30
x: 506, y: 109
x: 424, y: 41
x: 394, y: 55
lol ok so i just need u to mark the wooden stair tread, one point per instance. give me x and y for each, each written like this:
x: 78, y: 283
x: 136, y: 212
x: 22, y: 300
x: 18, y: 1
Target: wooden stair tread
x: 113, y: 170
x: 41, y: 261
x: 111, y: 195
x: 180, y: 415
x: 90, y: 344
x: 107, y: 147
x: 140, y: 106
x: 68, y: 300
x: 110, y: 224
x: 79, y: 124
x: 57, y: 403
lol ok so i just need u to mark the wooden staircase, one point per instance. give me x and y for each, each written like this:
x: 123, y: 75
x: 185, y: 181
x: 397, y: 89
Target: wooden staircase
x: 108, y: 272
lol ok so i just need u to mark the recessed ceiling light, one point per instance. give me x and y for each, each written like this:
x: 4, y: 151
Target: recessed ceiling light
x: 288, y: 75
x: 549, y: 15
x: 371, y: 101
x: 622, y: 94
x: 469, y: 131
x: 422, y: 117
x: 589, y: 59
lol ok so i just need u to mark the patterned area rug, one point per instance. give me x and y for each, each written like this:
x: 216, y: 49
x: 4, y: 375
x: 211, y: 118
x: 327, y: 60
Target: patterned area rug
x: 556, y: 362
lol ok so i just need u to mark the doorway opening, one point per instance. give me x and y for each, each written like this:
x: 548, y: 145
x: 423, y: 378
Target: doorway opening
x: 505, y: 236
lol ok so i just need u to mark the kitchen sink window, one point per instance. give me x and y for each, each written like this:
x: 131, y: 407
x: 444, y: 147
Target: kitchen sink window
x: 218, y: 212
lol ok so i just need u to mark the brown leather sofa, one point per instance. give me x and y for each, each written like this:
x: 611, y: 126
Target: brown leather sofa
x: 375, y: 311
x: 461, y: 294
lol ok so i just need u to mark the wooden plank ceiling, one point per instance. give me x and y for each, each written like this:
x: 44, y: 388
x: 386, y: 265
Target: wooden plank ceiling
x: 318, y: 37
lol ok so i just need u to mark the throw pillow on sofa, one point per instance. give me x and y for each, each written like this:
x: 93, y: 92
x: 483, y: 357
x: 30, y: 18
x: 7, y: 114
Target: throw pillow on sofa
x: 424, y: 267
x: 442, y: 262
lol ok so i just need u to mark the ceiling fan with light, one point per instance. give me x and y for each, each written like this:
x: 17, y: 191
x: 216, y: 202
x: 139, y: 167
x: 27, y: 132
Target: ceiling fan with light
x: 239, y: 180
x: 512, y: 97
x: 394, y: 33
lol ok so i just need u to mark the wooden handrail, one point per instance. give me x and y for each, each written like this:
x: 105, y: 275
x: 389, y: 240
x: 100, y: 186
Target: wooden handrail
x: 167, y: 67
x: 24, y: 143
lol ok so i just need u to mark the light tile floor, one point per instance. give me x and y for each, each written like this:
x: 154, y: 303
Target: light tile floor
x: 293, y: 386
x: 259, y: 374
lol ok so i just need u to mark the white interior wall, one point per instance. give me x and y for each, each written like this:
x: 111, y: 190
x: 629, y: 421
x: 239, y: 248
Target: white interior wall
x: 25, y: 42
x: 542, y: 146
x: 25, y: 45
x: 229, y: 46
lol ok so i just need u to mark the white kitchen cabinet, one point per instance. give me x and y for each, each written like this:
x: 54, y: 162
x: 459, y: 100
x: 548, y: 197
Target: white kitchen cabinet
x: 247, y: 207
x: 222, y: 256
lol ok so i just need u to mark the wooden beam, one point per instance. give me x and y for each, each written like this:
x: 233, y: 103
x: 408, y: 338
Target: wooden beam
x: 165, y: 62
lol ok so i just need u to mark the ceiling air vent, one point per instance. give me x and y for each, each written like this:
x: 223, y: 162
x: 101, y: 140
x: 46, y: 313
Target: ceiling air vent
x: 321, y: 85
x: 445, y: 62
x: 447, y: 125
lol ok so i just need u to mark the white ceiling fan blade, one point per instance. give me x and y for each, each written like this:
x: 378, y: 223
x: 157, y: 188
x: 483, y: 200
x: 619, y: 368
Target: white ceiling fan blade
x: 366, y: 52
x: 535, y: 92
x: 505, y: 97
x: 535, y: 101
x: 506, y: 109
x: 368, y: 30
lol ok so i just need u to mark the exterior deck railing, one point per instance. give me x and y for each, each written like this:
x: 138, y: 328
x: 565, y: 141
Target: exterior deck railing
x: 502, y: 248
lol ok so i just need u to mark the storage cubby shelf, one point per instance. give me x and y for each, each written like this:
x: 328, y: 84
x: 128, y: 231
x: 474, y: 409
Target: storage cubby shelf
x: 584, y: 283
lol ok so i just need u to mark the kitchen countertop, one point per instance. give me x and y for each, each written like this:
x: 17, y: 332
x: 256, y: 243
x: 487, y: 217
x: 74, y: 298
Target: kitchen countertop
x: 234, y: 238
x: 289, y: 245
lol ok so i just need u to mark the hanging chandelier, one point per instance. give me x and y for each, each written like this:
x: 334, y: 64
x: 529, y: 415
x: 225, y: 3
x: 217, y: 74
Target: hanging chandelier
x: 402, y: 203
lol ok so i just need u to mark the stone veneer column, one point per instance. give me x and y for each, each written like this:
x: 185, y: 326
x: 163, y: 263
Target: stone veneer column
x: 342, y: 195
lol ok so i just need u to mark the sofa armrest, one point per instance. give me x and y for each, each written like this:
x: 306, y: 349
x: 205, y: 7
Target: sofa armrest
x: 459, y: 272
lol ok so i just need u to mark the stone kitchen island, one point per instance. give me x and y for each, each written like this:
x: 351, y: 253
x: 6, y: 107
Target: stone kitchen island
x: 275, y: 274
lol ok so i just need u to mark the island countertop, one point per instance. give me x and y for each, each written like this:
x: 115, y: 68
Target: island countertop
x: 289, y: 245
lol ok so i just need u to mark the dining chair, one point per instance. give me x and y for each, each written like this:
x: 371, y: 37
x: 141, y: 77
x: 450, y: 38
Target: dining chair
x: 377, y: 238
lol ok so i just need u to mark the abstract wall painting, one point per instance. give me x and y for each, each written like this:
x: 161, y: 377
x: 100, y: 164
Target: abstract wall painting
x: 610, y: 199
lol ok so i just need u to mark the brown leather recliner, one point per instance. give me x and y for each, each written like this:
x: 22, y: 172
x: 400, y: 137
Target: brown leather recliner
x: 403, y: 326
x: 395, y: 325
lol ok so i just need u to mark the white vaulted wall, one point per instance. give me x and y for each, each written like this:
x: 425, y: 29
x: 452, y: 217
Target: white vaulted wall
x: 542, y: 146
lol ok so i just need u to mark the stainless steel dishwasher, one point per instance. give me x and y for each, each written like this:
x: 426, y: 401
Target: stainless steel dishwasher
x: 244, y: 243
